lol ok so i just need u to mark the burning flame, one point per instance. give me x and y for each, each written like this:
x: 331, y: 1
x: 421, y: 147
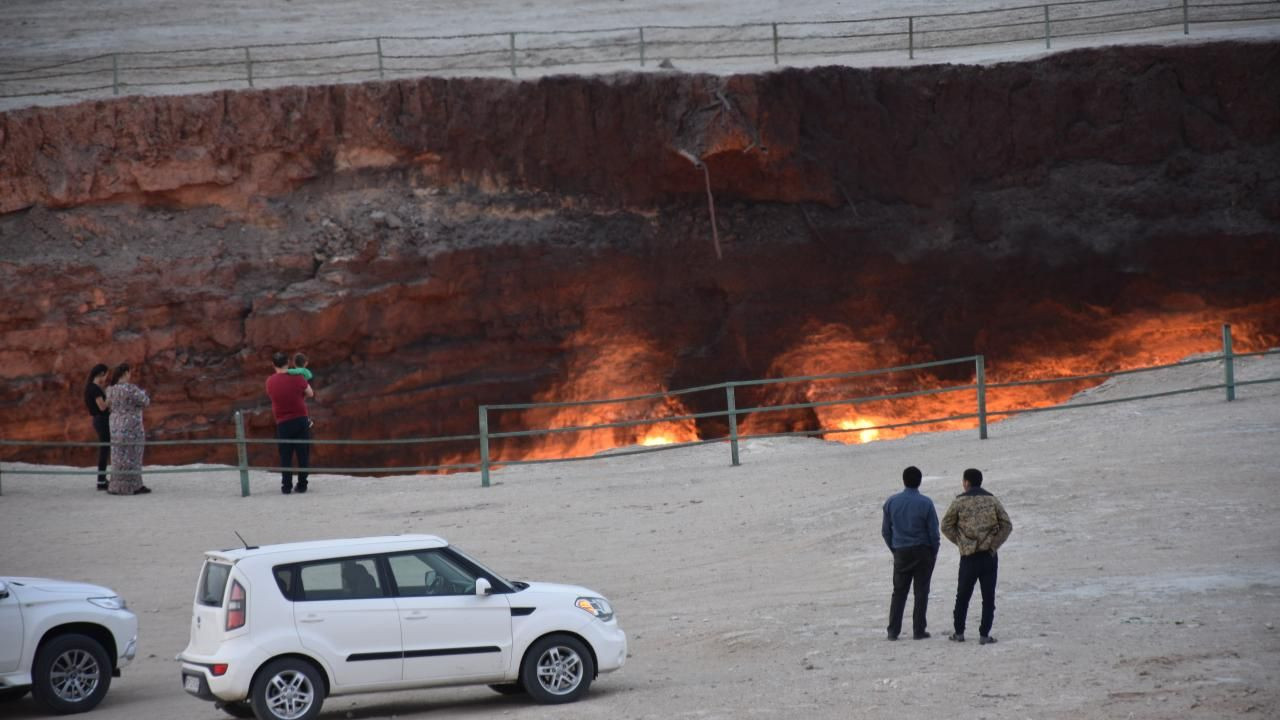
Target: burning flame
x: 653, y: 439
x: 616, y: 363
x: 1116, y: 342
x: 865, y: 436
x: 603, y: 365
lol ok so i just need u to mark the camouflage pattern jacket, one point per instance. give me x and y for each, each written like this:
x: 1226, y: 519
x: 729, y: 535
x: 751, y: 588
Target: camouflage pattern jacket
x: 976, y: 522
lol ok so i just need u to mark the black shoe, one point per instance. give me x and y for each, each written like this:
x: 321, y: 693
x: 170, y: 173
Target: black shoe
x: 142, y: 490
x: 956, y: 637
x: 986, y: 640
x: 302, y: 487
x: 891, y: 636
x: 921, y: 636
x: 102, y: 486
x: 286, y: 490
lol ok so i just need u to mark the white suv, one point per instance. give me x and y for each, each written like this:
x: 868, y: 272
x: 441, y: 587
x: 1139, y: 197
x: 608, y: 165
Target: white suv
x: 276, y: 629
x: 62, y: 642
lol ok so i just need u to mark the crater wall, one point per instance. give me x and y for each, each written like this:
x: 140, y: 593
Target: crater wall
x: 437, y: 244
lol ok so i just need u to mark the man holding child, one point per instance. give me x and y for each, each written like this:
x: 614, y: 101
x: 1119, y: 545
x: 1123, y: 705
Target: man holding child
x: 288, y: 393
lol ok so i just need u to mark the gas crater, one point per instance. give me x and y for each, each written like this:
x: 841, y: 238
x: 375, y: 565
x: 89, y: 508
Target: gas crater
x: 438, y: 244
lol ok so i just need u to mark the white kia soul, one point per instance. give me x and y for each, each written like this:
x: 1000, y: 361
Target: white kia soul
x: 276, y: 629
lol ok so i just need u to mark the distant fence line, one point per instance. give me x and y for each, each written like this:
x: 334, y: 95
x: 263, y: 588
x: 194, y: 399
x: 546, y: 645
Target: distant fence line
x: 362, y: 59
x: 731, y: 413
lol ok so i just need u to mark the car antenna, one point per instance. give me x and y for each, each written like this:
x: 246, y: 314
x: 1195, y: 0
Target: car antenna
x: 247, y: 546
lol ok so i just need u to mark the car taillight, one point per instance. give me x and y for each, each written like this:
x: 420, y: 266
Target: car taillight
x: 235, y: 607
x: 218, y: 670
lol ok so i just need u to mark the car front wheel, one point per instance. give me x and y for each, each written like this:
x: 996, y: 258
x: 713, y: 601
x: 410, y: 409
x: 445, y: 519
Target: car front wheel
x: 557, y: 669
x: 287, y: 689
x: 71, y: 674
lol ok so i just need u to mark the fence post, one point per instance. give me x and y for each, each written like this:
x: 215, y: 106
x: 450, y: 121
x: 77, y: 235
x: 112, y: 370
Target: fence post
x: 775, y: 43
x: 1186, y: 20
x: 512, y: 37
x: 1228, y: 363
x: 981, y: 366
x: 733, y: 424
x: 1046, y: 27
x: 242, y: 455
x: 911, y: 38
x: 115, y: 74
x: 378, y: 40
x: 248, y: 67
x: 641, y: 46
x: 484, y: 446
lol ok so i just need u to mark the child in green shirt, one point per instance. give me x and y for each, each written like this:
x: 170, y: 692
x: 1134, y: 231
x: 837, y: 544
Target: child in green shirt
x: 300, y: 368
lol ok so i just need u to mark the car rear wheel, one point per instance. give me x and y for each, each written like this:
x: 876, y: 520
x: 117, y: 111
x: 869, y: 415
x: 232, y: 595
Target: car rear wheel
x: 71, y: 674
x: 514, y: 688
x: 557, y: 669
x: 287, y: 689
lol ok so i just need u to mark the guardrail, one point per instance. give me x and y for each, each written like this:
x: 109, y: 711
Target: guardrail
x: 363, y: 59
x: 731, y: 413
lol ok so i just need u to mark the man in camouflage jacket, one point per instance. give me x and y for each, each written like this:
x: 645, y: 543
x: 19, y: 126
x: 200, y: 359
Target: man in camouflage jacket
x: 978, y: 525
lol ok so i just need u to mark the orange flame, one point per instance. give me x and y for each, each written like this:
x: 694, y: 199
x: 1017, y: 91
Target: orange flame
x: 865, y: 436
x: 604, y: 365
x: 616, y: 363
x: 1117, y: 342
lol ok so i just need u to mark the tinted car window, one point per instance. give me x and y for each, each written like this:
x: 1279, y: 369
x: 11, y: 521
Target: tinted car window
x: 213, y: 583
x: 429, y: 573
x: 345, y: 579
x: 284, y: 580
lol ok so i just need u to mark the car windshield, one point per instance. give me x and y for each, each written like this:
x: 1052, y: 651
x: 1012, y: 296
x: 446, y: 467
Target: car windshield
x: 480, y: 565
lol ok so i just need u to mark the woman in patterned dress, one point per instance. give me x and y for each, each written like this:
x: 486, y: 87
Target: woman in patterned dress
x: 127, y: 401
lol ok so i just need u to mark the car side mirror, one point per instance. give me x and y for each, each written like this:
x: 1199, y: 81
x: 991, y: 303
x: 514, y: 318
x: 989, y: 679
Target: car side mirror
x: 483, y: 587
x: 4, y: 590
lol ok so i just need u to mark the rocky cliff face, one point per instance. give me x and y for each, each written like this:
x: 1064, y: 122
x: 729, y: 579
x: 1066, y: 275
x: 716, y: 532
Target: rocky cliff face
x: 437, y: 244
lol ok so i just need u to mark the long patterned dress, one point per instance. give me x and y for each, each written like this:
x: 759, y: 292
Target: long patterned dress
x: 127, y: 401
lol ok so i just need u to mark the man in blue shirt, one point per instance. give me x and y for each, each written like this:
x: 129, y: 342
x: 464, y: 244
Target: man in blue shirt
x: 910, y: 529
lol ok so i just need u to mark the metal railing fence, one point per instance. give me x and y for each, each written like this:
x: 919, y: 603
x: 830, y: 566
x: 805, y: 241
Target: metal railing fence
x: 382, y: 57
x: 731, y: 413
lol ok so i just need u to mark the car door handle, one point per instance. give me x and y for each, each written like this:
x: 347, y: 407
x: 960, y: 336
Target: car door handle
x: 312, y: 620
x: 417, y: 617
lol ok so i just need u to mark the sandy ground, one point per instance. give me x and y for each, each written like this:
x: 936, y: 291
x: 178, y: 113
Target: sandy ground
x: 1142, y: 579
x: 42, y: 33
x: 47, y: 28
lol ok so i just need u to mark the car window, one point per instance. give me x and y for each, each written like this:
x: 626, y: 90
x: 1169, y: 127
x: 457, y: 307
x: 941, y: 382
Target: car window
x: 284, y: 579
x: 344, y: 579
x: 213, y: 583
x: 427, y: 573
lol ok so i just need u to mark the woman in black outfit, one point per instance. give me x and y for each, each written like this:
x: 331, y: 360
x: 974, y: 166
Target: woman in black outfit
x: 96, y: 400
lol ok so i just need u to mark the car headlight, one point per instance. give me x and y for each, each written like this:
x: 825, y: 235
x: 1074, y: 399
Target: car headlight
x: 599, y: 607
x: 115, y: 602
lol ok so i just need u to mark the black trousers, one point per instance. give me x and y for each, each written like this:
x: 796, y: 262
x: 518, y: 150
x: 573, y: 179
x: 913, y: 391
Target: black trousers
x: 102, y: 425
x: 977, y: 568
x: 912, y: 567
x: 295, y: 429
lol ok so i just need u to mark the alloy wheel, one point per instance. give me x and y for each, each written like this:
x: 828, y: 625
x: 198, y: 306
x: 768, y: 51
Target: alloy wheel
x: 289, y: 695
x: 74, y: 676
x: 559, y: 670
